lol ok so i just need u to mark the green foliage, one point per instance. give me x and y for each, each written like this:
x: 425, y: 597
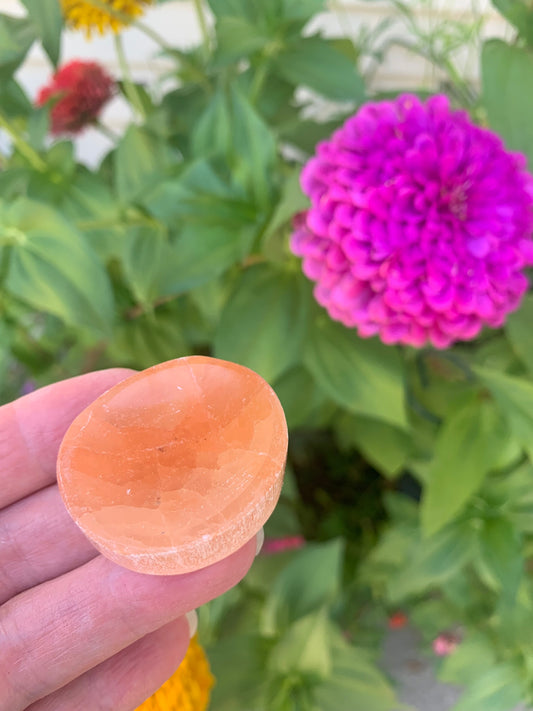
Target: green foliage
x: 48, y: 21
x: 354, y: 681
x: 232, y: 130
x: 501, y: 555
x: 465, y: 451
x: 16, y: 37
x: 49, y: 265
x: 298, y: 658
x: 498, y: 689
x: 364, y: 376
x: 410, y: 472
x: 308, y: 582
x: 139, y: 160
x: 315, y: 63
x: 386, y: 447
x: 505, y: 71
x: 514, y: 397
x: 264, y: 321
x: 431, y: 561
x: 520, y: 14
x: 519, y: 334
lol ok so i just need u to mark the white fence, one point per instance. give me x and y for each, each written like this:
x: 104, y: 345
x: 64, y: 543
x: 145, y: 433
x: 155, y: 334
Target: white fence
x: 176, y: 23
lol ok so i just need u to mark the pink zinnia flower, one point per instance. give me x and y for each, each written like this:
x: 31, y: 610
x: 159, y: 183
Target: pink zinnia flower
x: 445, y: 644
x: 78, y: 92
x: 420, y: 224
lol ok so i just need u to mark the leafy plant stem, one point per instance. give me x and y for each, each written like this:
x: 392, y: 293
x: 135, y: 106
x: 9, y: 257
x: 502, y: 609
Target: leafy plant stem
x: 183, y: 57
x: 258, y: 81
x: 4, y: 262
x: 127, y: 20
x: 106, y: 131
x: 140, y: 309
x: 458, y: 362
x: 129, y: 87
x: 149, y: 32
x: 200, y: 14
x: 23, y: 146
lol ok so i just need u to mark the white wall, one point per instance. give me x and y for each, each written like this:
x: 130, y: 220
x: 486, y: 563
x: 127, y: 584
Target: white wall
x: 176, y: 23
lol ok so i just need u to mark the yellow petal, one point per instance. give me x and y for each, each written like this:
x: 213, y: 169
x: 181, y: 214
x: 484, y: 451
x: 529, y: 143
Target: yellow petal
x: 188, y: 689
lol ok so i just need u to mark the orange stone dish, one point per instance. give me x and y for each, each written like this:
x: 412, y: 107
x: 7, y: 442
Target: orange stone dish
x: 176, y: 467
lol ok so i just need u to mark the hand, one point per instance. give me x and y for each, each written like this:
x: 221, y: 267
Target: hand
x: 77, y: 631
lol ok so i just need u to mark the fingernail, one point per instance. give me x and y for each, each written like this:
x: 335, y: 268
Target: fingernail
x: 259, y: 540
x: 192, y: 620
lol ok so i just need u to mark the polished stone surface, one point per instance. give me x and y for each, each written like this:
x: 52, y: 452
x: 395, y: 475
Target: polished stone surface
x: 176, y: 467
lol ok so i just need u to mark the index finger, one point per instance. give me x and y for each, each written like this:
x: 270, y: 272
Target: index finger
x: 32, y: 427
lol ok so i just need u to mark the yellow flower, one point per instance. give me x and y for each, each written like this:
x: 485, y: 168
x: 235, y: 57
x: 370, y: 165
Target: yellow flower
x: 101, y: 15
x: 188, y: 689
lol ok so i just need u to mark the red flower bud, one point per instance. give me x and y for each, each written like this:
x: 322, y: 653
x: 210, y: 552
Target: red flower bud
x: 77, y: 93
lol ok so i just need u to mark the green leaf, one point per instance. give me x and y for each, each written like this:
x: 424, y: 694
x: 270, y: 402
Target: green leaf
x: 13, y: 100
x: 53, y: 269
x: 364, y: 376
x: 313, y: 62
x: 304, y: 647
x: 264, y: 322
x: 48, y: 20
x: 200, y: 195
x: 14, y: 182
x: 498, y: 689
x: 139, y: 160
x: 231, y: 129
x: 433, y: 561
x: 514, y: 397
x: 306, y: 133
x: 16, y: 37
x: 212, y: 134
x: 292, y: 200
x: 506, y: 70
x: 519, y: 14
x: 354, y: 683
x: 145, y: 255
x: 238, y: 662
x: 309, y: 581
x: 53, y: 185
x: 199, y: 255
x: 470, y: 660
x: 233, y: 8
x: 88, y: 201
x: 273, y: 13
x: 501, y: 555
x: 38, y: 126
x: 465, y: 450
x: 145, y: 103
x: 386, y: 447
x: 6, y: 337
x: 300, y: 397
x: 519, y: 331
x: 301, y: 10
x: 148, y: 339
x: 237, y: 38
x: 254, y: 148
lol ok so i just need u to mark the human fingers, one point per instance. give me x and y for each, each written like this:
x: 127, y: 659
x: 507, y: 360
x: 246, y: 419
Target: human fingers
x: 32, y: 427
x: 38, y: 542
x: 56, y: 631
x: 124, y: 681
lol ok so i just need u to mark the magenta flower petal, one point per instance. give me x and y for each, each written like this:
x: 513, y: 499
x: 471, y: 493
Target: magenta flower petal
x: 420, y: 224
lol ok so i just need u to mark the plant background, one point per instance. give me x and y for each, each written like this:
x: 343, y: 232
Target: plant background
x: 176, y: 21
x: 304, y: 630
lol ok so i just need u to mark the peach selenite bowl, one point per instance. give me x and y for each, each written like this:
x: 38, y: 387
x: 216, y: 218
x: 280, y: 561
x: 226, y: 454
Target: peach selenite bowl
x: 176, y: 467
